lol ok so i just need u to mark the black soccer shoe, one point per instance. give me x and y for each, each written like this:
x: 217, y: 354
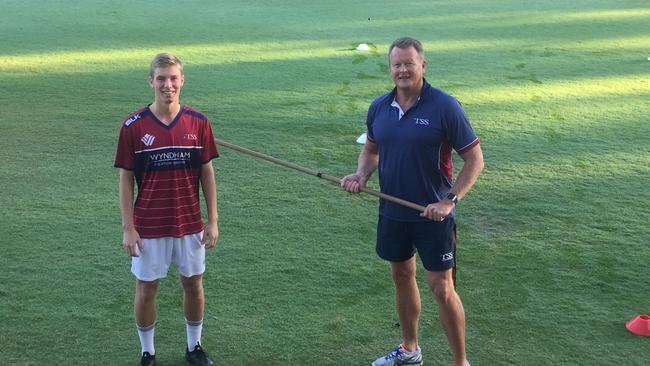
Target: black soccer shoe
x: 148, y: 359
x: 198, y: 357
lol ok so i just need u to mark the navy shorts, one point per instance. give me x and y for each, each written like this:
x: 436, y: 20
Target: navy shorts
x: 434, y: 241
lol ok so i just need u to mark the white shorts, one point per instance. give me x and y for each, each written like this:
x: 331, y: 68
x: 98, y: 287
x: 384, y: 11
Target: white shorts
x: 187, y: 252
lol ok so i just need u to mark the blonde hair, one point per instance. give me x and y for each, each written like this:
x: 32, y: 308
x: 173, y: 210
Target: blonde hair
x: 164, y: 59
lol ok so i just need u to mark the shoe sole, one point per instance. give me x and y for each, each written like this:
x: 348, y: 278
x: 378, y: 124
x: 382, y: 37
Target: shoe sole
x: 407, y: 364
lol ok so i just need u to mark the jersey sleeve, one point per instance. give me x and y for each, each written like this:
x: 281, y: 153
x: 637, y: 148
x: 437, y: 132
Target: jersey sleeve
x: 460, y: 134
x: 209, y: 146
x: 125, y: 153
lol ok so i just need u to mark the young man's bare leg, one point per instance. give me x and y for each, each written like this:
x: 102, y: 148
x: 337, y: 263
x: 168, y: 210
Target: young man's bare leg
x: 193, y: 306
x: 144, y: 306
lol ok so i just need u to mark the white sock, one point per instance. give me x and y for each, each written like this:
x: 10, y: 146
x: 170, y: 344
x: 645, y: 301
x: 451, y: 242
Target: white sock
x: 146, y: 335
x: 194, y: 329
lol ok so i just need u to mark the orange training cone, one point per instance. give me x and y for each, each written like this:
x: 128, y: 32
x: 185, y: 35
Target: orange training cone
x: 639, y: 325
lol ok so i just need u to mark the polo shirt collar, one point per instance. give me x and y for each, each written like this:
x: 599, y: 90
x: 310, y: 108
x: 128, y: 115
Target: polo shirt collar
x: 425, y: 88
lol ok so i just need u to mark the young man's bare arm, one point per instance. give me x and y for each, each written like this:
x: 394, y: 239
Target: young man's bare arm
x: 209, y: 187
x: 130, y: 237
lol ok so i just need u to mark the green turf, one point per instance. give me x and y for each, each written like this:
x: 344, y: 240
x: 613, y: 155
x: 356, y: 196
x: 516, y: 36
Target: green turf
x: 553, y: 238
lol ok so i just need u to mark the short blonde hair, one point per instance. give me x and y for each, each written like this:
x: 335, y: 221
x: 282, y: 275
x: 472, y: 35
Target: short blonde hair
x: 164, y: 59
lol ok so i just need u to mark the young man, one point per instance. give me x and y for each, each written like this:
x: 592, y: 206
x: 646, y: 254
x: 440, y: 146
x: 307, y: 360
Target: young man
x: 411, y: 133
x: 167, y: 149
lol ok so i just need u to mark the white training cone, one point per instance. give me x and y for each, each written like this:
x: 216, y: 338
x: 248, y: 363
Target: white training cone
x: 362, y: 139
x: 363, y: 47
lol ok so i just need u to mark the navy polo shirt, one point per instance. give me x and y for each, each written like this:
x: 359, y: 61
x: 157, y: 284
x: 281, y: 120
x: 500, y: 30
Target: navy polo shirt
x: 415, y: 147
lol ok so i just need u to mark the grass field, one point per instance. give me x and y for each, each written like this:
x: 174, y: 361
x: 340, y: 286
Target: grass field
x: 553, y: 238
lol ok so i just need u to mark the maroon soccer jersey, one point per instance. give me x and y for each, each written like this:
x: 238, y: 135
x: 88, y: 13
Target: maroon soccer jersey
x: 166, y: 161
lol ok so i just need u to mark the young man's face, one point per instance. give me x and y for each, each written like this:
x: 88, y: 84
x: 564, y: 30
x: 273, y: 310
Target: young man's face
x: 167, y: 83
x: 406, y: 67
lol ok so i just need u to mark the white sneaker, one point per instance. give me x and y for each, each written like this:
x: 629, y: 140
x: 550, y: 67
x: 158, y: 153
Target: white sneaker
x: 400, y: 356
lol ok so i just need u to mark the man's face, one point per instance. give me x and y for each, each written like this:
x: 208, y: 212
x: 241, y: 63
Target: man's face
x: 406, y: 67
x: 167, y: 83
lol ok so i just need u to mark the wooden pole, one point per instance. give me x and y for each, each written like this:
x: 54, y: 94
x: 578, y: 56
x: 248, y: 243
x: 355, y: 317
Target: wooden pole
x: 317, y: 174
